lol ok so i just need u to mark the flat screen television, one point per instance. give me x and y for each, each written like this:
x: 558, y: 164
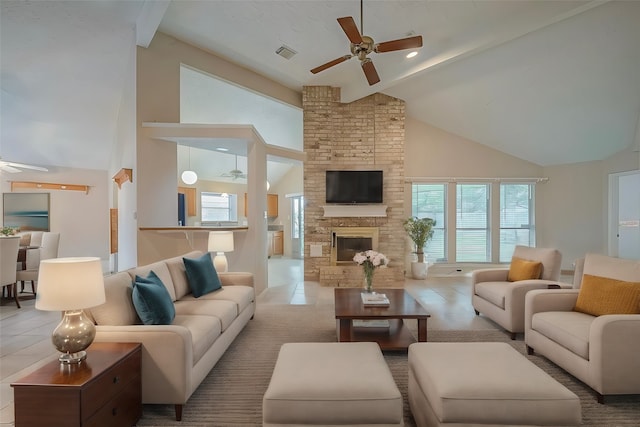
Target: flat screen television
x: 354, y: 187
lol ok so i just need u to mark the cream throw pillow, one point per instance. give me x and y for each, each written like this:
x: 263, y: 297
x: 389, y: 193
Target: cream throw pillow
x: 522, y: 269
x: 602, y: 295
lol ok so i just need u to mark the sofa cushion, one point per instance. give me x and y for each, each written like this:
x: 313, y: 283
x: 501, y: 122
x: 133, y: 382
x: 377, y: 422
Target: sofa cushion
x: 494, y: 292
x: 161, y: 270
x: 152, y: 300
x: 522, y: 269
x: 242, y: 296
x: 226, y: 311
x: 570, y: 329
x: 118, y: 309
x: 179, y: 274
x: 602, y: 295
x: 202, y: 275
x: 204, y: 331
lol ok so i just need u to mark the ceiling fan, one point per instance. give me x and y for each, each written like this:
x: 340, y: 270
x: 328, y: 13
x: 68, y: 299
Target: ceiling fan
x: 235, y: 173
x: 12, y: 167
x: 362, y: 45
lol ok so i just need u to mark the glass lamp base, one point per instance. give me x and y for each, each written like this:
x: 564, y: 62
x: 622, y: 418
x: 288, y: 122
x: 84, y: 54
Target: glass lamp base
x: 72, y: 336
x: 71, y: 358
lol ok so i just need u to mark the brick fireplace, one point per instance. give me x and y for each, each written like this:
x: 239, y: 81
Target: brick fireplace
x: 365, y: 134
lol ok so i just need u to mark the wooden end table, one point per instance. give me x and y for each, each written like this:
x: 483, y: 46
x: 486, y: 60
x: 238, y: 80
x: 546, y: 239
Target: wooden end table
x: 349, y: 307
x: 103, y: 390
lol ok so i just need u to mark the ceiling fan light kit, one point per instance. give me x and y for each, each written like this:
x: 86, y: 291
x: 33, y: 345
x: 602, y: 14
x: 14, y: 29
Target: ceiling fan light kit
x: 235, y: 173
x: 361, y: 46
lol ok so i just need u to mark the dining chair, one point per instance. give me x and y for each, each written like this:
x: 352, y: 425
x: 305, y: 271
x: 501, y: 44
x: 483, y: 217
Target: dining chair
x: 8, y: 256
x: 48, y: 249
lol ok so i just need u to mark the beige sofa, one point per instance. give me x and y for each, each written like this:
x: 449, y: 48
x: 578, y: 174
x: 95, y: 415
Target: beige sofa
x: 176, y: 358
x: 601, y: 351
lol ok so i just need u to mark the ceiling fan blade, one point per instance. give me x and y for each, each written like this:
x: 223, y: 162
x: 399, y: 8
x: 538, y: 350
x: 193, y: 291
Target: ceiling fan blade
x: 350, y: 29
x: 23, y: 166
x: 330, y: 64
x: 370, y: 72
x: 9, y: 169
x: 400, y: 44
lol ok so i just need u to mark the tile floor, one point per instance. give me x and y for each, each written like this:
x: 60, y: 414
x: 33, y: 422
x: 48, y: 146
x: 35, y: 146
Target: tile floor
x: 25, y: 333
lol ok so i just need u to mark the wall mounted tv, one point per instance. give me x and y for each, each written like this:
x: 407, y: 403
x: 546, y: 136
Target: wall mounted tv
x: 353, y: 187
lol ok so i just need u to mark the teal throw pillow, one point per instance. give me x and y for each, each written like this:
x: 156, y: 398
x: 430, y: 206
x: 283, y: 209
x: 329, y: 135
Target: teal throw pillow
x: 202, y: 275
x: 152, y: 300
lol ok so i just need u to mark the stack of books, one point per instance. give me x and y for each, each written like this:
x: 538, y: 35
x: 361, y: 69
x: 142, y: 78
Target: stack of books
x: 374, y: 299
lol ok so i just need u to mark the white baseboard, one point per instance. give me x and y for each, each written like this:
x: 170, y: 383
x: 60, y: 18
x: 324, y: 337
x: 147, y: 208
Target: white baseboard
x: 458, y: 270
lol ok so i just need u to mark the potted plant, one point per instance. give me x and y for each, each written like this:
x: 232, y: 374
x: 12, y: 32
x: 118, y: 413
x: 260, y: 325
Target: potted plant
x: 8, y: 231
x: 420, y: 230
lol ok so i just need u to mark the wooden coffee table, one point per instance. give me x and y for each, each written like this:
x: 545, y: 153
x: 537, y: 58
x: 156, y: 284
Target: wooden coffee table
x: 396, y: 336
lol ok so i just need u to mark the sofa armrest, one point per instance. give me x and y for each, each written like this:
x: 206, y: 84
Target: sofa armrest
x: 167, y: 358
x: 614, y: 351
x: 232, y: 278
x: 489, y: 275
x: 537, y: 301
x: 514, y: 299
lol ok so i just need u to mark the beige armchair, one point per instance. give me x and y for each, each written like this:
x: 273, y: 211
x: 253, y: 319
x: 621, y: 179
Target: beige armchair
x: 502, y: 300
x: 601, y: 351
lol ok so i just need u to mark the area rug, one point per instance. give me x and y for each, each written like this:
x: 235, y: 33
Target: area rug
x: 232, y: 393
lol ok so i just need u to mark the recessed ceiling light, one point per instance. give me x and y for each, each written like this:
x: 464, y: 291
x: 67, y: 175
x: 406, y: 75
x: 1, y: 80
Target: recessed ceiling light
x: 412, y: 54
x: 222, y: 149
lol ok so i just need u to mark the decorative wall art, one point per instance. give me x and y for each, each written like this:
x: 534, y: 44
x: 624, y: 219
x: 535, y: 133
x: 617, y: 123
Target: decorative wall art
x: 27, y: 211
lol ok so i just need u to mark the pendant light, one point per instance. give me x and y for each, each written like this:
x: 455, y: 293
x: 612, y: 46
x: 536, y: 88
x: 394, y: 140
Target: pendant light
x: 189, y: 177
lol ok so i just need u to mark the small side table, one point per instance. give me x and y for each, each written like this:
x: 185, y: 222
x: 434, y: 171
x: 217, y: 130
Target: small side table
x: 103, y: 390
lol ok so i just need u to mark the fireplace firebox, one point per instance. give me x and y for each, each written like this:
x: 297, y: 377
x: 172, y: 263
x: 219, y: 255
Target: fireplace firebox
x: 347, y: 241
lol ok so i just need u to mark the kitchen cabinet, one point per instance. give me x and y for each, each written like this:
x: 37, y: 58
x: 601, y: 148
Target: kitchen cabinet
x: 278, y: 243
x: 272, y: 205
x: 190, y: 199
x: 275, y: 242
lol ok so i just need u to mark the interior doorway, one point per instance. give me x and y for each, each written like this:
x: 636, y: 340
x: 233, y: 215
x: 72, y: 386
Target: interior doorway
x: 624, y: 215
x: 297, y: 226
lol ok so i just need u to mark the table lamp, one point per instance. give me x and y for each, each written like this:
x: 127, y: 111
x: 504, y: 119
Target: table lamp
x: 220, y: 242
x: 70, y: 285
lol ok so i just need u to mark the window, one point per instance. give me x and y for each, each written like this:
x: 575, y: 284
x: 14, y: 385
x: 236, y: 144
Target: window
x: 429, y: 201
x: 516, y: 218
x: 473, y: 237
x: 218, y: 207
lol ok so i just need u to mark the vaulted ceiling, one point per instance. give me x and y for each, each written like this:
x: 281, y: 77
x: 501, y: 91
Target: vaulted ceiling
x: 551, y: 82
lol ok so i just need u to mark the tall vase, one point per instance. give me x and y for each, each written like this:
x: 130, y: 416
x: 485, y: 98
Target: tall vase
x: 368, y: 282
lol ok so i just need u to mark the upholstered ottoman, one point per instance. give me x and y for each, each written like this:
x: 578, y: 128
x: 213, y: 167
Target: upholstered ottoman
x: 332, y: 384
x: 470, y: 384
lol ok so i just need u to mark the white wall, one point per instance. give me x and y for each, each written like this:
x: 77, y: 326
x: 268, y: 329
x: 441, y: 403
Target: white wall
x: 124, y: 156
x: 571, y: 208
x: 81, y: 219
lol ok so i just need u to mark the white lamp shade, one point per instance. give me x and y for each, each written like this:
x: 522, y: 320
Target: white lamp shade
x: 70, y: 284
x: 189, y: 177
x: 221, y: 241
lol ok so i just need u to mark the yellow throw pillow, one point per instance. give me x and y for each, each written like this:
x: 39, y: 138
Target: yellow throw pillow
x: 521, y: 269
x: 602, y: 295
